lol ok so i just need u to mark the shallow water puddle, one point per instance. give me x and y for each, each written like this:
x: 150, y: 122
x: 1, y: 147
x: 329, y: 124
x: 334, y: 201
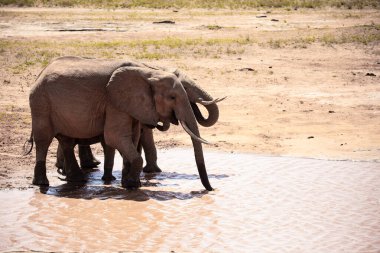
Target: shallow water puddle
x: 263, y: 204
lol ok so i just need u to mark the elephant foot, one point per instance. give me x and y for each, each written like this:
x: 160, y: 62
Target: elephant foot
x: 149, y: 168
x: 108, y: 178
x: 40, y: 180
x: 130, y: 178
x: 76, y: 178
x: 89, y: 164
x: 131, y: 184
x: 40, y: 177
x: 87, y: 159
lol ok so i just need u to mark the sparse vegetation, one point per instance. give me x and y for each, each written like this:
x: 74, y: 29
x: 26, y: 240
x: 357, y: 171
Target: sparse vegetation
x: 364, y: 38
x: 41, y: 52
x: 277, y: 43
x: 362, y: 35
x: 14, y: 118
x: 221, y: 4
x: 213, y: 27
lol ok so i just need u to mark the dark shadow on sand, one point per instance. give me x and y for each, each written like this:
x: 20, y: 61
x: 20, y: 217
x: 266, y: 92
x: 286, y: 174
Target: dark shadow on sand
x: 95, y: 188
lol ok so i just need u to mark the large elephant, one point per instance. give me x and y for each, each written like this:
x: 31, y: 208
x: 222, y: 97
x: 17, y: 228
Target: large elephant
x: 195, y: 95
x: 81, y: 98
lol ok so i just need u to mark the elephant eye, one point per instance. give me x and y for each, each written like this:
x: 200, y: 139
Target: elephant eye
x: 172, y: 97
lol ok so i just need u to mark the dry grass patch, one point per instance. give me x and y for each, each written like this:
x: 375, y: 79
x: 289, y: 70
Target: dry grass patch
x: 210, y: 4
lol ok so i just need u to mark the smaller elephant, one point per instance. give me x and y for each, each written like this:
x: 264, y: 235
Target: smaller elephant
x: 86, y: 158
x: 70, y: 164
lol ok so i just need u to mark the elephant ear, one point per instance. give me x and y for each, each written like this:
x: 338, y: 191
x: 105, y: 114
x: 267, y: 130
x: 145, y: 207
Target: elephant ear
x: 130, y: 91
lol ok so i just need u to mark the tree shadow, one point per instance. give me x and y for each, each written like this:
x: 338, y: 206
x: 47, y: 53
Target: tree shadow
x: 95, y: 188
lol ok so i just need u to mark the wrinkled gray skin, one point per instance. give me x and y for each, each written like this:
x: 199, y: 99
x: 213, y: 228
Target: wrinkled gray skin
x: 78, y: 99
x: 195, y: 95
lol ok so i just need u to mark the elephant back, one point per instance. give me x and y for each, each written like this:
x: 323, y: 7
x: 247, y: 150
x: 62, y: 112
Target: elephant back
x: 75, y: 89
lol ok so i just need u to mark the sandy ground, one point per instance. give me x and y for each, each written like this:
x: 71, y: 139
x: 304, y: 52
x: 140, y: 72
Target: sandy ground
x: 304, y: 100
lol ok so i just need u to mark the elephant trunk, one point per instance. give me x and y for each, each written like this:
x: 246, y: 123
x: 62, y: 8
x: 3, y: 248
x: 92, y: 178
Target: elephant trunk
x: 191, y: 124
x: 196, y: 95
x: 199, y: 95
x: 199, y: 159
x: 213, y: 114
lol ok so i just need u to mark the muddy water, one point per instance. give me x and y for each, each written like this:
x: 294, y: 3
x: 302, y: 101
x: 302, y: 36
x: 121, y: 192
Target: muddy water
x: 262, y: 204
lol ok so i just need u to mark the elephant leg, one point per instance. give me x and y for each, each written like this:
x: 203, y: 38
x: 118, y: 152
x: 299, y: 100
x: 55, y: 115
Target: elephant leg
x: 43, y: 136
x: 73, y: 171
x: 126, y: 167
x: 40, y: 177
x: 132, y: 160
x: 122, y: 132
x: 109, y: 156
x: 139, y: 146
x: 133, y: 165
x: 147, y: 142
x: 87, y: 159
x: 60, y: 161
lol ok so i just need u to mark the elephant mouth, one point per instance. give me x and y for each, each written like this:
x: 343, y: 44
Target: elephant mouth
x: 174, y: 119
x: 150, y: 126
x: 171, y: 119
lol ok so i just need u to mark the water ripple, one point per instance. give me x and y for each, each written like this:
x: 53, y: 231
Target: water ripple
x: 261, y: 204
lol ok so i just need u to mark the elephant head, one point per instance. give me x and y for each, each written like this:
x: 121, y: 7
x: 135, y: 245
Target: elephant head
x: 153, y: 96
x: 197, y: 95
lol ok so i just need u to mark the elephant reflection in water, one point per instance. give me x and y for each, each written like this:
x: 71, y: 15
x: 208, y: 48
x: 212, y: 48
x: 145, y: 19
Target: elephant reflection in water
x: 81, y: 100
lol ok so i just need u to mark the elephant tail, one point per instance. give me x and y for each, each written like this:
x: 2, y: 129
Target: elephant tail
x: 28, y: 145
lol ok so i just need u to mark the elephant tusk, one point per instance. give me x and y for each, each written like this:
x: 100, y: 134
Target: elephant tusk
x: 183, y: 124
x: 217, y: 100
x: 220, y: 99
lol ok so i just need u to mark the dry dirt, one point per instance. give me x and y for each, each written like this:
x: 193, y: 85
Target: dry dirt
x: 313, y: 100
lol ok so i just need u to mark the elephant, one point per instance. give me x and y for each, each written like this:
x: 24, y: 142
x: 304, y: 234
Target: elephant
x: 86, y: 158
x: 195, y: 94
x: 78, y: 98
